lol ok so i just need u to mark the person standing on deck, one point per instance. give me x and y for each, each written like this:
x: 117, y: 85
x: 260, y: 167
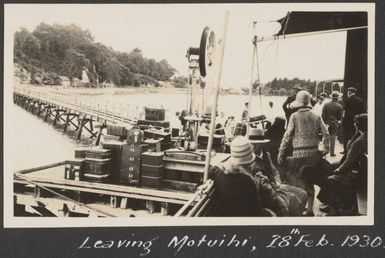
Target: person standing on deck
x: 331, y: 115
x: 245, y: 111
x: 303, y: 134
x: 354, y: 105
x: 320, y: 104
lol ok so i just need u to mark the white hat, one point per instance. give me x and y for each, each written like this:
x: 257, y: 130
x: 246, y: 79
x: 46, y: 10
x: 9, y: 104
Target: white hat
x: 302, y: 99
x: 241, y: 151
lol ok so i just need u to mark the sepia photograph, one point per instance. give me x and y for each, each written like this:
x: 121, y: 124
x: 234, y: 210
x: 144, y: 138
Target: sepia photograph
x: 188, y: 114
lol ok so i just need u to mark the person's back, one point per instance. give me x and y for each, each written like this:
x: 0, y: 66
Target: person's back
x: 331, y: 112
x: 306, y: 128
x: 235, y: 194
x: 354, y: 106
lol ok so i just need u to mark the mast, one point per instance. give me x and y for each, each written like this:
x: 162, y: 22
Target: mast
x: 251, y: 81
x: 214, y: 109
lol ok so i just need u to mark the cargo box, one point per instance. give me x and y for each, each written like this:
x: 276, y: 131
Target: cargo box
x: 130, y: 150
x: 102, y: 178
x: 116, y: 130
x: 152, y: 171
x: 130, y: 175
x: 145, y: 124
x: 175, y: 132
x: 134, y: 136
x: 97, y: 167
x: 109, y: 138
x: 151, y: 182
x: 116, y: 158
x: 131, y: 161
x: 74, y: 169
x: 218, y: 140
x: 80, y: 153
x: 179, y: 185
x: 152, y: 158
x: 98, y: 153
x: 155, y: 114
x: 157, y: 134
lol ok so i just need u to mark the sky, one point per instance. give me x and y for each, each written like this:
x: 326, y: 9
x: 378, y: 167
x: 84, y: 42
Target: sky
x: 167, y: 31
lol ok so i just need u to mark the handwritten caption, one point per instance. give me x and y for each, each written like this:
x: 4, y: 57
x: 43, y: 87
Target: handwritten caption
x: 178, y: 244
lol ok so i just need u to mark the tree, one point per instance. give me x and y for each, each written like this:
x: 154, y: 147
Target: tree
x: 26, y: 44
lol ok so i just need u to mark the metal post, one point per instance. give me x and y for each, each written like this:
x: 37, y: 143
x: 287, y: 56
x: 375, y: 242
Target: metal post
x: 251, y: 83
x: 214, y: 109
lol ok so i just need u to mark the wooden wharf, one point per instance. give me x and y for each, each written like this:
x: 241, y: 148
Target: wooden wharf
x: 72, y: 110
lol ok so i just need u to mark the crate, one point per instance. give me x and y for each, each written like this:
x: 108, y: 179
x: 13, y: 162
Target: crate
x: 218, y: 140
x: 131, y: 161
x: 130, y: 175
x: 130, y: 150
x: 151, y: 182
x: 134, y: 136
x: 117, y: 130
x: 102, y: 178
x: 74, y: 169
x: 96, y: 167
x: 80, y: 153
x: 152, y: 158
x: 111, y: 138
x: 179, y: 185
x: 152, y: 171
x: 175, y: 132
x: 157, y: 134
x: 116, y: 158
x: 155, y: 114
x: 97, y: 153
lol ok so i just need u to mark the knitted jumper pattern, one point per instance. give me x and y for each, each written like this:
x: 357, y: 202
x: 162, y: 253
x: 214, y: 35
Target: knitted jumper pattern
x: 303, y: 133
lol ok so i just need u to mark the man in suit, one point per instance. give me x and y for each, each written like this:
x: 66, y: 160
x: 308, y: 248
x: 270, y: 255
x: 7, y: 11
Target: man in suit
x: 354, y: 105
x: 332, y: 114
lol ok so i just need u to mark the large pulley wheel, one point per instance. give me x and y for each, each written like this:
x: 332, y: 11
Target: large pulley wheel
x: 206, y: 51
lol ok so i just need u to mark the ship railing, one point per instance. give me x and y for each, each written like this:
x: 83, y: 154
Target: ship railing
x: 200, y: 203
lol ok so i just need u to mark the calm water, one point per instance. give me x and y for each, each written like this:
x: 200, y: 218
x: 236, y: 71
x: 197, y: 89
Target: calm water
x: 37, y: 143
x: 229, y: 104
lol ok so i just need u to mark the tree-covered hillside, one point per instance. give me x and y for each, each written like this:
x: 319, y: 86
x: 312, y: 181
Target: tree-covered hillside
x: 56, y: 50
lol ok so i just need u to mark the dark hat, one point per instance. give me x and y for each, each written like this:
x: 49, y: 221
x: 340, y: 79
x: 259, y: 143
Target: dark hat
x: 297, y: 87
x: 352, y: 89
x: 362, y: 122
x: 335, y: 95
x: 323, y: 94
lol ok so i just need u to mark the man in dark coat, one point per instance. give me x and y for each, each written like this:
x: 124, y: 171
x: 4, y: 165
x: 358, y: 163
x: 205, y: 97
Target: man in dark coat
x: 354, y: 105
x: 339, y: 190
x: 289, y: 100
x: 332, y: 114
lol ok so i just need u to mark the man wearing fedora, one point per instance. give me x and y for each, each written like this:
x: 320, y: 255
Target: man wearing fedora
x: 295, y: 197
x: 240, y: 189
x: 331, y: 115
x: 354, y: 105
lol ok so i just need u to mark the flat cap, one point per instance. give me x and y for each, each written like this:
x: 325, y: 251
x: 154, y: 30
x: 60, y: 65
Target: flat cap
x: 352, y: 89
